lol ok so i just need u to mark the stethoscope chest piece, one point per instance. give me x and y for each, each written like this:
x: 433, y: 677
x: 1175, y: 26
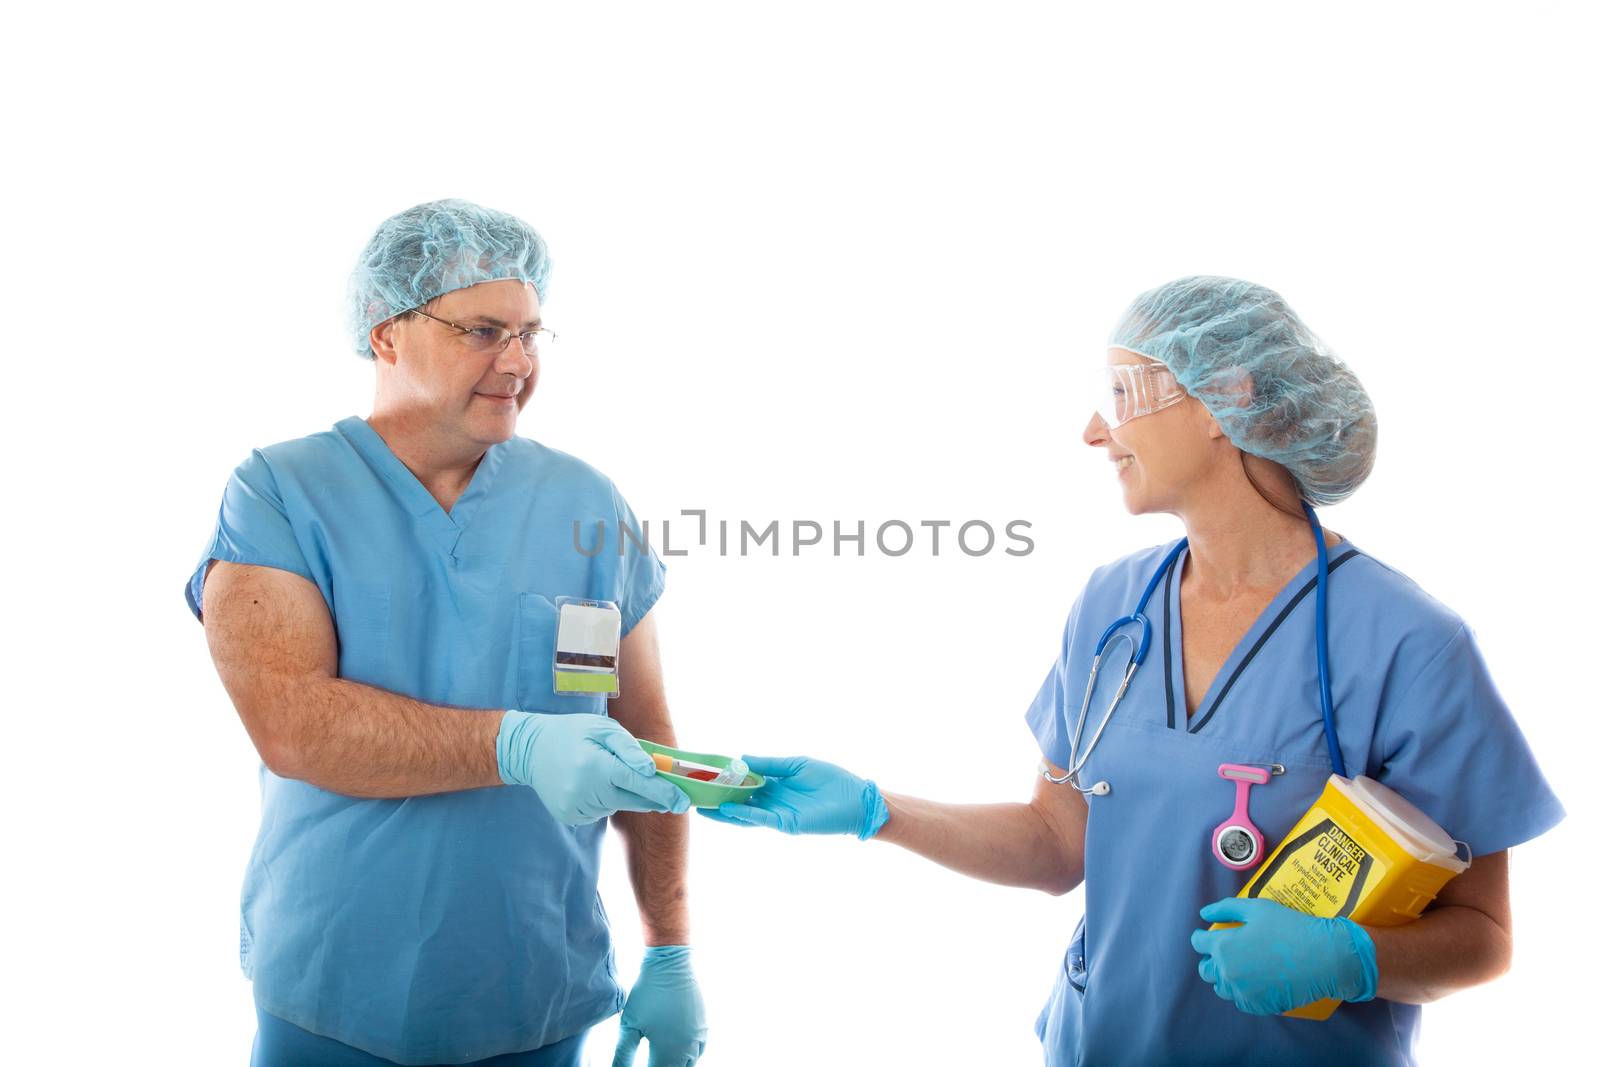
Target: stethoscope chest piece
x: 1236, y: 842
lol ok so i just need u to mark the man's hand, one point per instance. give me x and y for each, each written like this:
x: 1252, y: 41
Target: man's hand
x: 664, y: 1008
x: 583, y: 766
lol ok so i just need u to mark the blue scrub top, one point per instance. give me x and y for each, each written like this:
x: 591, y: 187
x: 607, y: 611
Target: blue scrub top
x: 1415, y: 709
x: 447, y: 928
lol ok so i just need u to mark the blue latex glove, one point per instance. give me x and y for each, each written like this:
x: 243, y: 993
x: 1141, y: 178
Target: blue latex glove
x: 583, y: 766
x: 1281, y: 958
x: 664, y: 1007
x: 807, y: 796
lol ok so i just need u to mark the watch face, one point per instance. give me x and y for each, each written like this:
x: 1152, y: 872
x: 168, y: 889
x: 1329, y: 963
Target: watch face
x: 1237, y: 844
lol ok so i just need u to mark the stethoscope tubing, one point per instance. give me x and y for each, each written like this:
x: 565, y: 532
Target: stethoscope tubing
x: 1324, y: 683
x: 1134, y: 662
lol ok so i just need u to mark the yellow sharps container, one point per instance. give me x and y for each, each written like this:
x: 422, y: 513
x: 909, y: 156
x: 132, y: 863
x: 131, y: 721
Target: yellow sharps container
x: 1364, y: 852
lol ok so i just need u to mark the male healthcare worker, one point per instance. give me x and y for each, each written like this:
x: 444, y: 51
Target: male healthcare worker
x: 376, y: 597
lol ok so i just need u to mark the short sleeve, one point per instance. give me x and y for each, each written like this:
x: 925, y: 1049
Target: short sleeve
x: 252, y: 527
x: 1047, y: 715
x: 1450, y: 746
x: 641, y: 576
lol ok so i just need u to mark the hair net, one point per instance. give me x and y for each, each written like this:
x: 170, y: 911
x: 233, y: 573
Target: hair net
x: 1273, y: 387
x: 436, y: 248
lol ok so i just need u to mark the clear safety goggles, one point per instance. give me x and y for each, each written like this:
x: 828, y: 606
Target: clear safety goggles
x: 1125, y: 391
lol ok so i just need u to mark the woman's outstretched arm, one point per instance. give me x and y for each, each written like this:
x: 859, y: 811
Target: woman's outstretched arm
x: 1036, y: 845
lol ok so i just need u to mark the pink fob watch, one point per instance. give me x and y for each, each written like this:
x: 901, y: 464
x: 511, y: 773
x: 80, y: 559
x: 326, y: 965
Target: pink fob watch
x: 1236, y: 842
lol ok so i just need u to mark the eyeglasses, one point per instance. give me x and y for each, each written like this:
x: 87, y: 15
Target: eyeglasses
x: 1127, y: 390
x: 488, y: 340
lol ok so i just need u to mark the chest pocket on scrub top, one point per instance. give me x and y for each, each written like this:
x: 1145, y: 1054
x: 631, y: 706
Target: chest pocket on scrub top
x: 534, y: 647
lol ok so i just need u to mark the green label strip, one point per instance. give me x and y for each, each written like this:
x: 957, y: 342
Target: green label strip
x: 585, y: 682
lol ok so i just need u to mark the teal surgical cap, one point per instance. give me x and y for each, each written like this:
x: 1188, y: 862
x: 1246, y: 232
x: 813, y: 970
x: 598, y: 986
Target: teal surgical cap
x: 1273, y: 387
x: 437, y: 248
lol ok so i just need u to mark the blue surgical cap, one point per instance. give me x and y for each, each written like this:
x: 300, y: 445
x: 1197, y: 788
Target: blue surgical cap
x: 1273, y: 387
x: 437, y: 248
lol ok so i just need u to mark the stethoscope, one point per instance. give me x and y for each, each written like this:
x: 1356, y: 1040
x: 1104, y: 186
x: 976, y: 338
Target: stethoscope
x: 1236, y: 842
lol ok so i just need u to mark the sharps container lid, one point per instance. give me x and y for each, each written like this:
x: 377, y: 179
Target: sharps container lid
x: 1409, y: 825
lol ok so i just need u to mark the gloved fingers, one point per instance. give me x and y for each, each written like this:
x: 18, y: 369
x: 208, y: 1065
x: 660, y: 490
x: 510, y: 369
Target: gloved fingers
x: 750, y: 816
x: 674, y: 1055
x: 612, y: 736
x: 638, y: 792
x: 717, y: 816
x: 776, y: 766
x: 638, y: 772
x: 1208, y: 971
x: 621, y: 800
x: 1235, y: 909
x: 1252, y: 1007
x: 1224, y: 991
x: 627, y: 1046
x: 1204, y: 941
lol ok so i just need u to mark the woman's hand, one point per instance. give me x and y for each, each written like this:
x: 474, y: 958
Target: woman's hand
x: 1281, y: 959
x: 807, y: 796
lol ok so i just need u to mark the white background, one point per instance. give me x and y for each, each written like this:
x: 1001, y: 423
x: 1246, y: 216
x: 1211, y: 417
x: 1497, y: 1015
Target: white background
x: 823, y: 261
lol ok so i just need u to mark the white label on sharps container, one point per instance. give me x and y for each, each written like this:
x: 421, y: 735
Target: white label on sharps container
x: 588, y: 638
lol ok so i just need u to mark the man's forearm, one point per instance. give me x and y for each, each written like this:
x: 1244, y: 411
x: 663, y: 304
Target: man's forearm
x: 361, y: 741
x: 657, y: 848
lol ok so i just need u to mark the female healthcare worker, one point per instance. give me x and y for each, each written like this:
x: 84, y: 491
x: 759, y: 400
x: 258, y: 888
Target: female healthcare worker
x: 1223, y: 409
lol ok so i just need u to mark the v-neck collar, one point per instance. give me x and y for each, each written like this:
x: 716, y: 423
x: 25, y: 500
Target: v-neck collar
x: 445, y: 527
x: 1298, y: 588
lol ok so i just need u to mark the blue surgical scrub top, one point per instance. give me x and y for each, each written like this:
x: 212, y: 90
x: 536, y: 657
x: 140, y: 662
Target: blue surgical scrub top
x: 447, y: 928
x: 1415, y: 709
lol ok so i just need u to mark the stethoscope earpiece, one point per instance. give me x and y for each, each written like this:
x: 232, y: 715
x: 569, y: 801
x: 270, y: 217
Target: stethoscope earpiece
x: 1101, y: 789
